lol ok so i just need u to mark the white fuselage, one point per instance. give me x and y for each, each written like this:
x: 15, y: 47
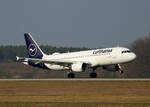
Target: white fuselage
x: 98, y: 57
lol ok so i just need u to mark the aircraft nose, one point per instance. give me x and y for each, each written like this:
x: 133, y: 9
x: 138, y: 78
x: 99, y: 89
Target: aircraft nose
x: 133, y: 56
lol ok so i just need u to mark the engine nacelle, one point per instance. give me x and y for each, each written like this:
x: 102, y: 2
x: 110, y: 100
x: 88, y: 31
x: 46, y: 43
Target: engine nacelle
x: 112, y: 67
x: 78, y: 67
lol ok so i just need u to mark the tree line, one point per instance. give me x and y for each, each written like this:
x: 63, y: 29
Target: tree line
x: 9, y: 53
x: 140, y: 68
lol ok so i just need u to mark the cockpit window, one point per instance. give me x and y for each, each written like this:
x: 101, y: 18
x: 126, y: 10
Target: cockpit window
x: 127, y: 51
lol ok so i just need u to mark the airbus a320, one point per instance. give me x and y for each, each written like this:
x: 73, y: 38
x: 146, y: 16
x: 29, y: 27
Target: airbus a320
x: 81, y: 61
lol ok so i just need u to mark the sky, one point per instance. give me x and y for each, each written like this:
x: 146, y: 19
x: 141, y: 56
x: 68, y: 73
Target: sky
x: 76, y: 23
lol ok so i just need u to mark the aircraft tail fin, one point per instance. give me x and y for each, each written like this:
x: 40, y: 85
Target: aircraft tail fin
x: 33, y: 49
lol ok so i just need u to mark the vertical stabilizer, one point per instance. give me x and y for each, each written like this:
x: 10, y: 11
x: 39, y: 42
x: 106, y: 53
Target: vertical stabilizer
x: 33, y: 49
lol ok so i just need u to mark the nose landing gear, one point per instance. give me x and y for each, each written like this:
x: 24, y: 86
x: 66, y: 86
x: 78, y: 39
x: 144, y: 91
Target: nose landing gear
x: 121, y: 71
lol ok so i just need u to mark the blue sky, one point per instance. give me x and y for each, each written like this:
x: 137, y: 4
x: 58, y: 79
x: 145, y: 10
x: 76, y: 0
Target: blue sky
x: 77, y: 23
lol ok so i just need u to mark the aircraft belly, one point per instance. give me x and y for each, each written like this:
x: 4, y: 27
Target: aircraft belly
x: 55, y: 67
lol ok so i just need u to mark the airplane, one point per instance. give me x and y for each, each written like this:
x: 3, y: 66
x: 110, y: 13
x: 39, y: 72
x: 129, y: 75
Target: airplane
x: 81, y: 61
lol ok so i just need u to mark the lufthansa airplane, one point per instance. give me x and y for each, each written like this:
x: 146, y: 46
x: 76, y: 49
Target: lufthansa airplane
x: 107, y: 58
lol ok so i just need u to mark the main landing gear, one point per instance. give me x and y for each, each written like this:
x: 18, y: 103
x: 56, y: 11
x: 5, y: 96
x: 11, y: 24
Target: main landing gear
x: 93, y: 75
x: 71, y: 75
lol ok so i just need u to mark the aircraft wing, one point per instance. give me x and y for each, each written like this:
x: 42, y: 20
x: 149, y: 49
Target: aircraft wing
x: 57, y: 62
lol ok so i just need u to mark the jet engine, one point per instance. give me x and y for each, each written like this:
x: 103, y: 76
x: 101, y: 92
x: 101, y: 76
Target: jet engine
x: 78, y: 67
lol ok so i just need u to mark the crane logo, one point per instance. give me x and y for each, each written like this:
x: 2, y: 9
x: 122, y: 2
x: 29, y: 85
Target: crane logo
x: 32, y: 49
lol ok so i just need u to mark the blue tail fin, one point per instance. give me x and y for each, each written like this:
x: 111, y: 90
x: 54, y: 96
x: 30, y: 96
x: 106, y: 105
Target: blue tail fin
x: 33, y: 49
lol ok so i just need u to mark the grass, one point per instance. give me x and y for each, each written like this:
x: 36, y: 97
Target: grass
x: 74, y: 91
x: 74, y: 105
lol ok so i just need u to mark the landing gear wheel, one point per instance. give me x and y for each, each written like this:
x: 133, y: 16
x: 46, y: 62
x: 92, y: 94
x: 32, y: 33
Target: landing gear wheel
x: 121, y: 71
x: 93, y: 75
x: 71, y: 75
